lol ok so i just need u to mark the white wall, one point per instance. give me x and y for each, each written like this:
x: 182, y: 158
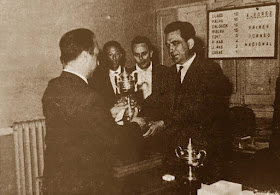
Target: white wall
x: 29, y: 36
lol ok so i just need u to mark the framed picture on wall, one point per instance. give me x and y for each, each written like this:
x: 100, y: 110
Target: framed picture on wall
x: 245, y: 32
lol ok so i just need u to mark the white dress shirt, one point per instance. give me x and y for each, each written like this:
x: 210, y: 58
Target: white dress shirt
x: 113, y: 74
x: 186, y: 67
x: 145, y: 80
x: 81, y: 76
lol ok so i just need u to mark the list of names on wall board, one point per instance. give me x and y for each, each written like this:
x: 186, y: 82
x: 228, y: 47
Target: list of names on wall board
x: 241, y: 33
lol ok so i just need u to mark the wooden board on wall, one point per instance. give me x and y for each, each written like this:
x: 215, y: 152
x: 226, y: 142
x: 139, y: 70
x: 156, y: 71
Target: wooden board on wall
x: 243, y: 32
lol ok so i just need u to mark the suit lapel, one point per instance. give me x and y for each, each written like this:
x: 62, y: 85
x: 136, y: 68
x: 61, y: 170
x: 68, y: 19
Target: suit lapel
x: 154, y: 77
x: 173, y: 95
x: 190, y: 73
x: 187, y: 82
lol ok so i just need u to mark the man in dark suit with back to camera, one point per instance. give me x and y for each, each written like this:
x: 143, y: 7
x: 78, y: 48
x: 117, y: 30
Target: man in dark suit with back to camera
x: 82, y: 138
x: 198, y: 101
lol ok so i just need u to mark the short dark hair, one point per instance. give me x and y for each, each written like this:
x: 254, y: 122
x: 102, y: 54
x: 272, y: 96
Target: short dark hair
x: 141, y: 39
x: 186, y: 29
x: 74, y: 42
x: 113, y: 44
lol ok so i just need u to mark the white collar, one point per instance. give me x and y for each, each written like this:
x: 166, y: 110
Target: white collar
x: 149, y: 69
x: 75, y: 73
x: 187, y: 63
x: 113, y: 72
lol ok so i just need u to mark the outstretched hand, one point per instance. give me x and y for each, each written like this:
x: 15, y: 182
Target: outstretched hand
x: 139, y: 120
x: 154, y: 128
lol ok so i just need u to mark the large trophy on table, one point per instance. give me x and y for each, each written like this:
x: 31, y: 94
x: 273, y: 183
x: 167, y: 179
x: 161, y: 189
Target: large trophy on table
x: 194, y: 159
x: 127, y: 85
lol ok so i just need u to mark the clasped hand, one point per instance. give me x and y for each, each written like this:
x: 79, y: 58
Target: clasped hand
x: 153, y: 127
x: 124, y: 107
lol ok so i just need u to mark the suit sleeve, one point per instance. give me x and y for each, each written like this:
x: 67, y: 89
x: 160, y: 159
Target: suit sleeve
x: 85, y: 113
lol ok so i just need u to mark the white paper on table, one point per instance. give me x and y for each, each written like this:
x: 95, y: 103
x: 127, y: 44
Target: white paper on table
x: 220, y: 188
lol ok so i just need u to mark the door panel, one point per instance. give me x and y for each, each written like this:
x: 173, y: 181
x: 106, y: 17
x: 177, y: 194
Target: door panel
x: 164, y: 17
x: 258, y: 77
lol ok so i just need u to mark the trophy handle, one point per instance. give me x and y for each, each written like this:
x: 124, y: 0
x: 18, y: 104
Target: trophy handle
x: 134, y: 76
x: 179, y: 152
x: 201, y: 156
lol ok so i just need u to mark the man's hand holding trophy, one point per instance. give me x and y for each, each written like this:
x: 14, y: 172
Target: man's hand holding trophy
x: 126, y: 109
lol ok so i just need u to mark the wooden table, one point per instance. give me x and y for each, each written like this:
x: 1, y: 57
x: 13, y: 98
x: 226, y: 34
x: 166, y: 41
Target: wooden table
x: 259, y: 172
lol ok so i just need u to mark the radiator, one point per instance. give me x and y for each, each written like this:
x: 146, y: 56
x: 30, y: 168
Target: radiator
x: 29, y: 143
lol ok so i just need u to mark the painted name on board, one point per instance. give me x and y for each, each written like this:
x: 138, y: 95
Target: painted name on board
x: 217, y: 52
x: 218, y: 41
x: 217, y: 47
x: 218, y: 31
x: 259, y: 35
x: 219, y: 15
x: 216, y: 36
x: 258, y: 27
x: 259, y: 14
x: 219, y: 25
x: 258, y: 44
x: 218, y: 21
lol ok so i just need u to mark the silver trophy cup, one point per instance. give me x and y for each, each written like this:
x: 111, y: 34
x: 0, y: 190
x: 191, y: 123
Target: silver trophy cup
x: 127, y: 86
x: 193, y: 159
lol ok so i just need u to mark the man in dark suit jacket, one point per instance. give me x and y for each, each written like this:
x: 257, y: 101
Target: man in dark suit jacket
x: 82, y: 139
x: 150, y: 78
x: 150, y: 85
x: 105, y: 77
x: 197, y: 100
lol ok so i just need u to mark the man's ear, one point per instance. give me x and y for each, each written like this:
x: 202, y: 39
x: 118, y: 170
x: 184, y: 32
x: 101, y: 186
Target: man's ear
x: 85, y: 56
x: 190, y: 43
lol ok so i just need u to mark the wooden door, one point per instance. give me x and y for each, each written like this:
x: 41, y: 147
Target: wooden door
x: 164, y: 17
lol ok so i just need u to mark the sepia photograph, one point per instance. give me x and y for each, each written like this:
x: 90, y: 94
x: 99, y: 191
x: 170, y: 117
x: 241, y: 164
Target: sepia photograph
x: 139, y: 97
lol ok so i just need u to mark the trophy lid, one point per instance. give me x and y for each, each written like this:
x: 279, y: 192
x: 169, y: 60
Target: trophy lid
x: 190, y: 144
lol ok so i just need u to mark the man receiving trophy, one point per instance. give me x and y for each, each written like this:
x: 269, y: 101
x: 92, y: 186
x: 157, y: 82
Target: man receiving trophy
x: 113, y: 83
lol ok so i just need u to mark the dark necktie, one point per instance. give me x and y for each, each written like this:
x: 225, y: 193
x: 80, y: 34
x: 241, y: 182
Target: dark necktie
x: 179, y: 74
x: 177, y: 87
